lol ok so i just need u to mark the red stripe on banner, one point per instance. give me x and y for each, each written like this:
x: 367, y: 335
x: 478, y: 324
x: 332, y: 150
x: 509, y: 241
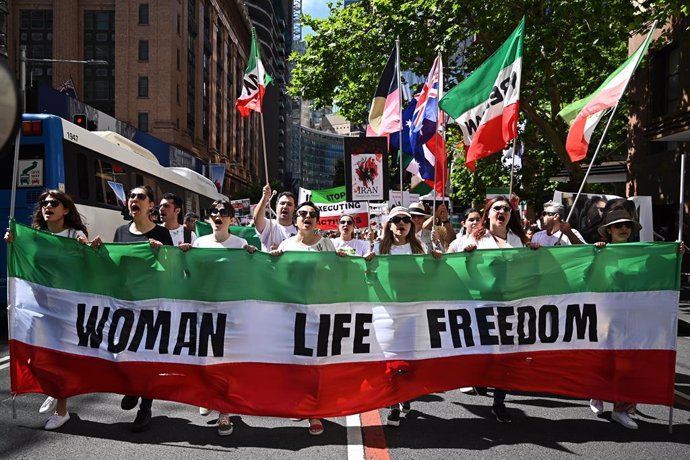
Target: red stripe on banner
x: 284, y: 390
x: 494, y: 135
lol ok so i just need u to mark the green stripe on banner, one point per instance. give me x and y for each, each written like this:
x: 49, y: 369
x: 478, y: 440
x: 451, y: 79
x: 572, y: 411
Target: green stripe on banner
x: 248, y: 233
x: 135, y: 271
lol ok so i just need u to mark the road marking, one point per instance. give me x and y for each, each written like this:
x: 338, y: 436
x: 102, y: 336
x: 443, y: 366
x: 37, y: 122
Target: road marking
x: 355, y: 449
x: 375, y: 439
x: 4, y: 358
x: 3, y: 366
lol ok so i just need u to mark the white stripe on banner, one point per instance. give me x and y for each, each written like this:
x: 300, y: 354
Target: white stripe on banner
x: 193, y: 332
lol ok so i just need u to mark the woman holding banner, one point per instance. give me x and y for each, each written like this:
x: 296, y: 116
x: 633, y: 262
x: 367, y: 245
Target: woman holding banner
x: 399, y: 239
x: 56, y: 213
x: 346, y: 242
x: 471, y: 219
x: 499, y: 228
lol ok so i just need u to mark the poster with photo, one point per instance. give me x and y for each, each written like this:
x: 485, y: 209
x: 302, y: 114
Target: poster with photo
x: 366, y: 168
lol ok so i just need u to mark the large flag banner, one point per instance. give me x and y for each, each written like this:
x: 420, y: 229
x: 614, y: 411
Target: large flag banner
x: 384, y: 114
x: 332, y: 203
x: 584, y: 115
x: 426, y: 109
x: 366, y: 168
x: 486, y: 104
x: 317, y: 335
x: 254, y: 84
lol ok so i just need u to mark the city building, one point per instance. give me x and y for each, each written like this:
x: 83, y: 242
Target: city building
x: 319, y: 154
x: 273, y: 22
x: 174, y: 70
x: 3, y: 29
x: 659, y: 104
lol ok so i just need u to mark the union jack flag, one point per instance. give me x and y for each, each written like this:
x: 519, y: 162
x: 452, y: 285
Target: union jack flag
x: 68, y: 88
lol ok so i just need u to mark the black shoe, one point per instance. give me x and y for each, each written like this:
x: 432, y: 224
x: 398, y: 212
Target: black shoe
x: 480, y: 391
x: 393, y: 418
x: 501, y: 414
x: 129, y: 402
x: 406, y: 407
x: 142, y: 422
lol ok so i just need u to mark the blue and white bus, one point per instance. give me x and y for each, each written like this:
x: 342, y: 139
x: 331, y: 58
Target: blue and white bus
x: 89, y: 166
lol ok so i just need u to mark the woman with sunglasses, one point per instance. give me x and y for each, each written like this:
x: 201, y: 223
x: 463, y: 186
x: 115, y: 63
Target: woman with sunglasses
x: 471, y: 219
x: 140, y: 205
x: 220, y: 216
x: 617, y: 227
x: 399, y: 238
x: 307, y: 239
x: 346, y: 241
x: 499, y: 228
x: 56, y: 213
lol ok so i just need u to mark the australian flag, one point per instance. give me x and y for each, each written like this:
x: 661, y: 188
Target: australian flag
x: 426, y: 111
x: 68, y: 88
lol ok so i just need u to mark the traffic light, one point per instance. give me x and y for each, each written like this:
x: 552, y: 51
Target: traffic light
x: 79, y: 119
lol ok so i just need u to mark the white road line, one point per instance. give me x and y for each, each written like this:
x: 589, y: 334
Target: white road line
x: 3, y: 366
x: 355, y: 448
x: 4, y: 358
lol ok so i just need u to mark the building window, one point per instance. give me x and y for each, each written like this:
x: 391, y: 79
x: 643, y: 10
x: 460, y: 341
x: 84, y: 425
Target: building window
x: 143, y: 50
x: 666, y: 81
x: 191, y: 66
x: 143, y: 121
x: 36, y: 33
x: 143, y: 86
x: 99, y: 43
x: 143, y: 14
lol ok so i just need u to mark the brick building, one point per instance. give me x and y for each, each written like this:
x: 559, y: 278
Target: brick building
x: 175, y: 68
x: 659, y: 97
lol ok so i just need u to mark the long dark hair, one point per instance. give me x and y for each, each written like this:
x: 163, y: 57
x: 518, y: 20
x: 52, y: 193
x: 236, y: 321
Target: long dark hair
x: 72, y: 218
x: 387, y: 240
x: 514, y: 224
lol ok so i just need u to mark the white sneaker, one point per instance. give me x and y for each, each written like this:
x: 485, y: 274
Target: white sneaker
x: 56, y: 421
x: 48, y: 406
x: 597, y: 406
x: 204, y: 411
x: 624, y: 419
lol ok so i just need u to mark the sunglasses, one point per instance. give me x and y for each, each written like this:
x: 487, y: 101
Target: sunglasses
x: 303, y: 214
x: 546, y: 213
x: 398, y: 219
x: 54, y: 203
x: 622, y: 224
x: 139, y: 196
x: 346, y: 222
x: 502, y: 208
x: 222, y: 212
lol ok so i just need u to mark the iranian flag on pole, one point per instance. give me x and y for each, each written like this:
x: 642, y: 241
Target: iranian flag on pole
x: 486, y: 104
x: 255, y: 81
x: 584, y: 115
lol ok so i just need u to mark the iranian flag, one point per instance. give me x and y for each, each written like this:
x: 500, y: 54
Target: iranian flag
x: 255, y: 81
x: 486, y: 104
x: 312, y: 334
x: 584, y: 115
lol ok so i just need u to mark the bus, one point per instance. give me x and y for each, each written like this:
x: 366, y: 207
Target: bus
x: 93, y: 168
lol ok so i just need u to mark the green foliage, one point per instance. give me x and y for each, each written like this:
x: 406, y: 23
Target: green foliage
x: 570, y: 48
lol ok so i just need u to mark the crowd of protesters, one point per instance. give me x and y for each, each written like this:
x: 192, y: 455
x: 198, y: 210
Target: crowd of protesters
x: 416, y: 229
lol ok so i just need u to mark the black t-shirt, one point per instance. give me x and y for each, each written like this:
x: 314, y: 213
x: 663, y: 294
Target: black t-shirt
x: 123, y: 235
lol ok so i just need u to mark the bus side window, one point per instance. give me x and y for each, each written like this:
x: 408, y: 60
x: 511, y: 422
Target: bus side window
x: 104, y: 173
x: 82, y: 177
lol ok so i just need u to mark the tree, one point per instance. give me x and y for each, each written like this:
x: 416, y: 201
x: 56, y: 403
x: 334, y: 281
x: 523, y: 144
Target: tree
x: 570, y: 48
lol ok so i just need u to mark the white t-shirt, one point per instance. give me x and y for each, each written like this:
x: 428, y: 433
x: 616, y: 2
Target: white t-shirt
x: 209, y: 241
x: 489, y: 242
x: 458, y: 244
x: 70, y: 233
x: 544, y: 239
x: 274, y: 233
x: 397, y: 250
x: 177, y: 236
x: 352, y: 247
x: 291, y: 244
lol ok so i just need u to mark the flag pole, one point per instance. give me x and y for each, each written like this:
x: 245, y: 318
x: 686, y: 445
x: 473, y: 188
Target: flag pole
x: 436, y: 163
x: 512, y: 170
x: 400, y: 131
